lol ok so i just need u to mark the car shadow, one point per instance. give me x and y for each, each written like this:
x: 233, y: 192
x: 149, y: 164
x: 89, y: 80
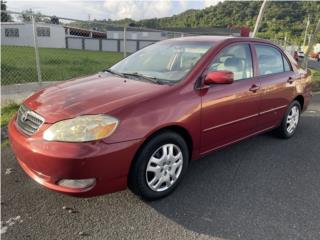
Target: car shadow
x: 261, y: 188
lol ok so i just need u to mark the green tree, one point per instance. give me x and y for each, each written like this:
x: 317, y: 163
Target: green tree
x: 26, y: 16
x: 5, y: 17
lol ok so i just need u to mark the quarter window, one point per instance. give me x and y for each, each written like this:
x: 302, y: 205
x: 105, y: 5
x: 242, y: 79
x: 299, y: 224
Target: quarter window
x: 43, y: 32
x: 236, y: 59
x: 11, y: 32
x: 270, y: 60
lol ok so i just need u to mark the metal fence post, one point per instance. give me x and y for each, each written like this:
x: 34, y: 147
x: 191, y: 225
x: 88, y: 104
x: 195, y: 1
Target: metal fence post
x: 124, y: 42
x: 36, y: 51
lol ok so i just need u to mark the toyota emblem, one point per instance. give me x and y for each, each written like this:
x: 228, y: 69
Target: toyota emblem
x: 24, y: 116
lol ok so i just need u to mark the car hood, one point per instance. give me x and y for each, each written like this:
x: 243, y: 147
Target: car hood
x: 96, y: 94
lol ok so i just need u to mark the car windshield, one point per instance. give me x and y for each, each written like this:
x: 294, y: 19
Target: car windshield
x: 166, y: 61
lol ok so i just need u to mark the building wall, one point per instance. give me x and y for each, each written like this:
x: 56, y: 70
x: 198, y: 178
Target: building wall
x: 135, y: 35
x: 56, y: 39
x: 110, y: 45
x: 92, y: 44
x: 74, y: 43
x: 143, y: 44
x: 131, y: 46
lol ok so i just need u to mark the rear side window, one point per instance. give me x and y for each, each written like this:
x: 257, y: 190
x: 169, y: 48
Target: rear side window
x: 270, y: 60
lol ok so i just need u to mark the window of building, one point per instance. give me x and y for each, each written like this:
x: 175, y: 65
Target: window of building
x: 11, y: 32
x: 270, y: 60
x: 236, y: 59
x: 43, y: 32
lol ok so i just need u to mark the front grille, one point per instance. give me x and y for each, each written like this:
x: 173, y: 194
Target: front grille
x: 28, y: 121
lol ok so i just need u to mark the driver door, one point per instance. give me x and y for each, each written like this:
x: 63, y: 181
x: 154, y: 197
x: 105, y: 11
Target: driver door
x: 230, y: 111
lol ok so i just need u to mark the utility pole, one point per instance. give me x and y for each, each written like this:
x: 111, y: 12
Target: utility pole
x: 258, y: 22
x: 306, y: 32
x: 311, y: 41
x: 285, y: 41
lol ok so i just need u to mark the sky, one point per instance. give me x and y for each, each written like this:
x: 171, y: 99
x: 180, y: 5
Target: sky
x: 105, y: 9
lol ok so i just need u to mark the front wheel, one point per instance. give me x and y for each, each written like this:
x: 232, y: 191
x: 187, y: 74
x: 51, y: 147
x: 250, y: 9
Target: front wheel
x: 159, y: 166
x: 290, y: 121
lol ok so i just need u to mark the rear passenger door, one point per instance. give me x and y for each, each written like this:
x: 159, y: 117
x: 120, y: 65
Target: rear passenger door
x: 276, y: 78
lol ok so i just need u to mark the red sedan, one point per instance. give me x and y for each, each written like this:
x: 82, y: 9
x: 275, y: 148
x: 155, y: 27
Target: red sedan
x: 140, y: 122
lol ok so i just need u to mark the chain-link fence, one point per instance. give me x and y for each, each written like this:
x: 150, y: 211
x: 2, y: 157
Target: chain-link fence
x: 39, y: 48
x: 46, y: 48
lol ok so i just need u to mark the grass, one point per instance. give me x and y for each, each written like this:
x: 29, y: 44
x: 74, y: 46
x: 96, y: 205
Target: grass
x: 18, y: 63
x: 315, y: 75
x: 8, y: 112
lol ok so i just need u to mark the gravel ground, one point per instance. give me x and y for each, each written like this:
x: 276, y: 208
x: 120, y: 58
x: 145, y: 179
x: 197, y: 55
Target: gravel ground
x: 261, y: 188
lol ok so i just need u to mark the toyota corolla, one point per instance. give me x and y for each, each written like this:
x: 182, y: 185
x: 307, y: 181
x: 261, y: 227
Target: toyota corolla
x: 141, y: 122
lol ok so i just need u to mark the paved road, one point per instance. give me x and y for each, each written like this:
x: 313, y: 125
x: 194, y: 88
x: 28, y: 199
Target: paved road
x: 314, y: 64
x: 261, y: 188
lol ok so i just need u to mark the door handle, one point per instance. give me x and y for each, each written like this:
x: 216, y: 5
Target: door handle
x: 290, y: 80
x: 254, y: 88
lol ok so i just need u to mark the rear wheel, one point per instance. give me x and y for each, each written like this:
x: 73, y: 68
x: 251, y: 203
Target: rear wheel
x: 159, y: 166
x: 290, y: 121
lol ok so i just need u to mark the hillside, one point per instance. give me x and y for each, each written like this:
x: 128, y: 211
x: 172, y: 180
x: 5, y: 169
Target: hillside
x: 280, y: 18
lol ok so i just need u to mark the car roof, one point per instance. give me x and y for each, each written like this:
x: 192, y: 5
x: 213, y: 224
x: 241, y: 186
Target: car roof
x: 218, y: 39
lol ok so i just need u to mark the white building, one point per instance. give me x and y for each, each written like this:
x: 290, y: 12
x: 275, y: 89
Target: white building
x: 21, y: 34
x: 136, y: 34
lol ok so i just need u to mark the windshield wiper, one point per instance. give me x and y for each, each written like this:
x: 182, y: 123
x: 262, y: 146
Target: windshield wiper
x: 151, y: 79
x: 113, y: 72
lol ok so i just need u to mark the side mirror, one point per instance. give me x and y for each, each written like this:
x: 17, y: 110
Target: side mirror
x: 219, y: 77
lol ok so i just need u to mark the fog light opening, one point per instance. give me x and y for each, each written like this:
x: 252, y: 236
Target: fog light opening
x: 77, y: 183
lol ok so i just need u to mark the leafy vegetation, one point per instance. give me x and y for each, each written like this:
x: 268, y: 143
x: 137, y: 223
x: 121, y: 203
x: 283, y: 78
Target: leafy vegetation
x: 4, y: 16
x: 316, y: 75
x: 280, y: 18
x: 8, y: 112
x: 18, y: 63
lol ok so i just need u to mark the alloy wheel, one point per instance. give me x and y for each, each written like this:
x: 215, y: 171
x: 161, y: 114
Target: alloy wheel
x: 293, y: 119
x: 164, y: 167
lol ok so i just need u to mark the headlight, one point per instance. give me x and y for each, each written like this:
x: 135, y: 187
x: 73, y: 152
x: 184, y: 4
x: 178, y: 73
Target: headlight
x: 82, y: 129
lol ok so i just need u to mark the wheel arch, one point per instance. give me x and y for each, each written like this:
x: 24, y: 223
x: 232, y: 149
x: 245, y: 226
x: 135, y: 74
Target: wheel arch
x: 300, y: 99
x: 174, y: 128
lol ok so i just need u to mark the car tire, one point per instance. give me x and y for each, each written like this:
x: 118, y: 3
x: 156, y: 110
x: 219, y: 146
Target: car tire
x: 290, y: 121
x: 159, y: 160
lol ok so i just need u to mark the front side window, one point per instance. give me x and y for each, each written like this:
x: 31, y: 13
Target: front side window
x: 236, y: 59
x: 43, y: 32
x: 11, y: 32
x: 170, y: 61
x: 270, y: 60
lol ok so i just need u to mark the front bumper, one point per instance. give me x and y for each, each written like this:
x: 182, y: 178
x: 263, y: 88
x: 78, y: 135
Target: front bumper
x: 49, y: 162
